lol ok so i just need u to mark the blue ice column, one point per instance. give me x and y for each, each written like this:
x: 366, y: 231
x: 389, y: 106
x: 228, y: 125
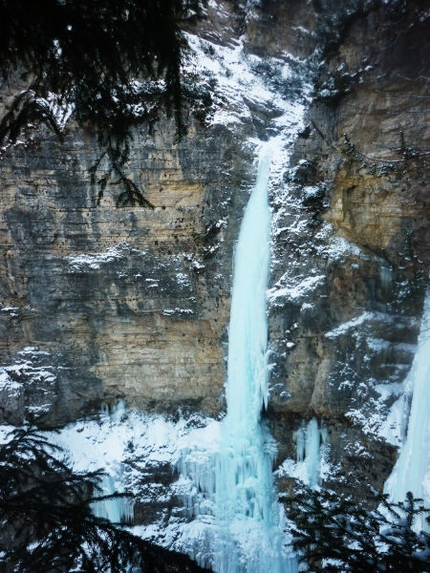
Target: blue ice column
x: 250, y: 536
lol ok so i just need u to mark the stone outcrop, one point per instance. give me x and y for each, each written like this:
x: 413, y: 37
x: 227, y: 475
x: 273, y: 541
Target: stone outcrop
x: 346, y: 328
x: 100, y: 303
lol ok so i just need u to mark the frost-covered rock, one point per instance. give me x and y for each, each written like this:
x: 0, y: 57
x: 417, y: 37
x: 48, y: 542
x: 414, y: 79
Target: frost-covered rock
x: 11, y: 399
x: 28, y: 387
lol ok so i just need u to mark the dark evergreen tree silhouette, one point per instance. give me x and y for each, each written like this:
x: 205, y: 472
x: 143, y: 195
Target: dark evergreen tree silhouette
x: 46, y: 522
x: 334, y: 534
x: 113, y: 63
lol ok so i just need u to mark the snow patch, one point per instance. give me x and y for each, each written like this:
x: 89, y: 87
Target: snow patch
x: 346, y: 327
x: 241, y: 83
x: 338, y: 248
x: 13, y: 311
x: 126, y: 443
x: 6, y: 382
x: 297, y: 291
x: 93, y: 261
x: 178, y: 311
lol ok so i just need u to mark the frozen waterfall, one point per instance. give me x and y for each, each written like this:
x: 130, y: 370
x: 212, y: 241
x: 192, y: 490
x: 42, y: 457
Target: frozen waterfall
x: 249, y: 533
x: 412, y: 470
x: 311, y: 449
x: 246, y: 520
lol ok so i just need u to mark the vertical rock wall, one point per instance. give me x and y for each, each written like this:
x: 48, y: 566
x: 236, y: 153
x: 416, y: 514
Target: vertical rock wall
x: 121, y: 302
x: 351, y: 244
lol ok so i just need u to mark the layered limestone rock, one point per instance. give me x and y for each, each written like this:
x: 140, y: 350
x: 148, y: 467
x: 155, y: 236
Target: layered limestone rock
x: 127, y: 302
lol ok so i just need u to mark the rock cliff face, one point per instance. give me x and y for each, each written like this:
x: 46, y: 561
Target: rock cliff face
x: 348, y: 291
x: 100, y: 303
x: 125, y: 302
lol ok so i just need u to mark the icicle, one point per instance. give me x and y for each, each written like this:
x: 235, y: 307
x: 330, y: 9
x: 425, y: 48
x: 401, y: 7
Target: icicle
x: 300, y: 437
x: 119, y: 509
x: 311, y: 448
